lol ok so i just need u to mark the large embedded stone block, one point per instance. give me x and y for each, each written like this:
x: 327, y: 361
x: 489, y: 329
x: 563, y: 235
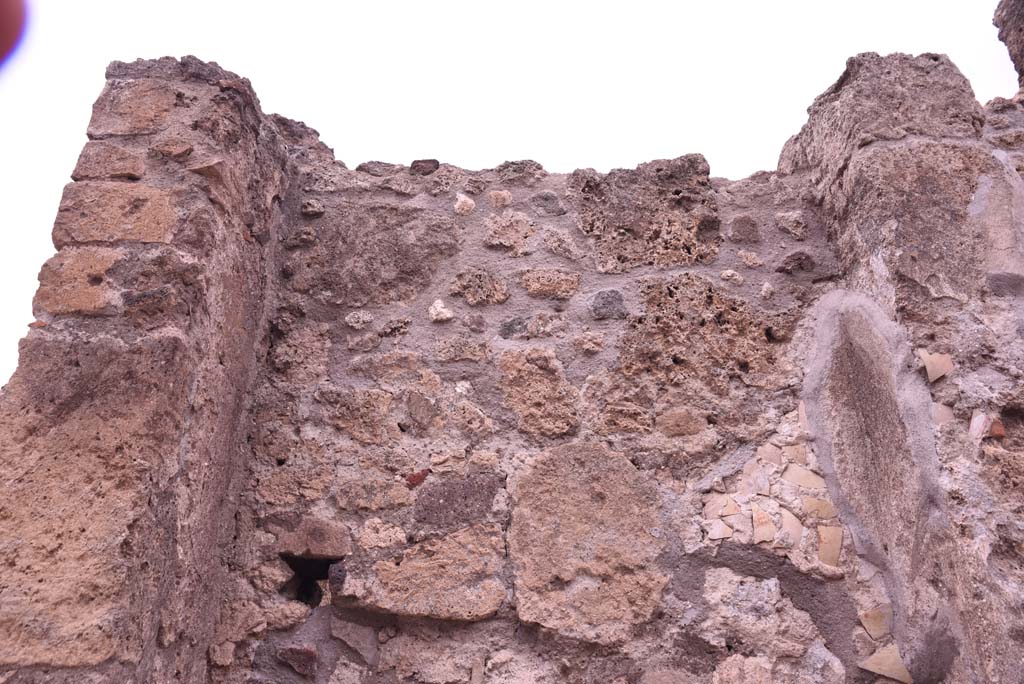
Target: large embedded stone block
x: 583, y: 542
x: 108, y: 211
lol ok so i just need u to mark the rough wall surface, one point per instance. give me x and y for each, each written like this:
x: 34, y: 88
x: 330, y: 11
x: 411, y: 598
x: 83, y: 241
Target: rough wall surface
x: 283, y: 421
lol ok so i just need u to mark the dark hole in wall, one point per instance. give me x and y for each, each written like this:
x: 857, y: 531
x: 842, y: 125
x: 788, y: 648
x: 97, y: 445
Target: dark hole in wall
x: 305, y: 582
x: 1013, y: 422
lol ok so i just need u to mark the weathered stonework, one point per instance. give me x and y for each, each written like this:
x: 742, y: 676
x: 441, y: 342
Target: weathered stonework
x: 283, y: 421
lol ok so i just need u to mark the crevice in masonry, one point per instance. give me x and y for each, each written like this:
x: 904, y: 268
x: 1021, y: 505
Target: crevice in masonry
x: 304, y: 584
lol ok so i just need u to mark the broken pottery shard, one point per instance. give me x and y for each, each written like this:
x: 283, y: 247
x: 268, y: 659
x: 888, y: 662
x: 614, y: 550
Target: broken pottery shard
x: 764, y: 528
x: 803, y: 477
x: 821, y: 508
x: 886, y: 661
x: 830, y: 543
x: 718, y: 530
x: 935, y: 365
x: 877, y: 621
x: 791, y: 527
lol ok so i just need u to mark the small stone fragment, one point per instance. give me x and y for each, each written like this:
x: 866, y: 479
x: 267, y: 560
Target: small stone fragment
x: 546, y: 203
x: 464, y: 206
x: 731, y: 276
x: 750, y: 259
x: 590, y: 342
x: 980, y: 423
x: 792, y: 223
x: 300, y: 657
x: 681, y: 422
x: 439, y: 313
x: 511, y: 231
x: 754, y: 480
x: 359, y: 319
x: 767, y: 290
x: 803, y: 477
x: 796, y: 261
x: 360, y: 638
x: 424, y: 167
x: 378, y: 169
x: 830, y: 543
x: 312, y: 208
x: 178, y: 150
x: 877, y: 621
x: 743, y: 229
x: 886, y: 661
x: 533, y: 383
x: 607, y: 304
x: 479, y: 287
x: 222, y: 654
x: 500, y: 198
x: 935, y: 365
x: 550, y: 283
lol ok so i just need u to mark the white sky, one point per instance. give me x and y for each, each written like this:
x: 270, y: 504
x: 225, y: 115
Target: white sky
x: 473, y: 83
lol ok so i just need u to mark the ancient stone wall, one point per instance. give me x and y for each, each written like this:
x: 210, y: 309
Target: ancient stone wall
x: 283, y: 421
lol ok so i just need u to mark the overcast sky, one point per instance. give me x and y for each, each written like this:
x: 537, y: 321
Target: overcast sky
x: 475, y: 83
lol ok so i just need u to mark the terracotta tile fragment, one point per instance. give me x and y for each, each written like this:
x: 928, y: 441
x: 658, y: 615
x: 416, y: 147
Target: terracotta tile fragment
x: 935, y: 365
x: 764, y: 528
x: 877, y: 621
x: 803, y: 477
x: 830, y: 543
x: 886, y: 661
x: 769, y: 453
x: 792, y: 527
x: 821, y: 508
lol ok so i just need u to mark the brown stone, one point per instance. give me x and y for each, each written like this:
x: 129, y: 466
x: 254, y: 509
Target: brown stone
x: 107, y: 211
x: 510, y: 231
x: 359, y: 413
x: 535, y: 388
x: 101, y: 160
x: 133, y: 107
x: 550, y: 283
x: 662, y: 213
x: 316, y: 538
x: 456, y: 577
x: 479, y: 287
x: 583, y: 543
x: 74, y: 281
